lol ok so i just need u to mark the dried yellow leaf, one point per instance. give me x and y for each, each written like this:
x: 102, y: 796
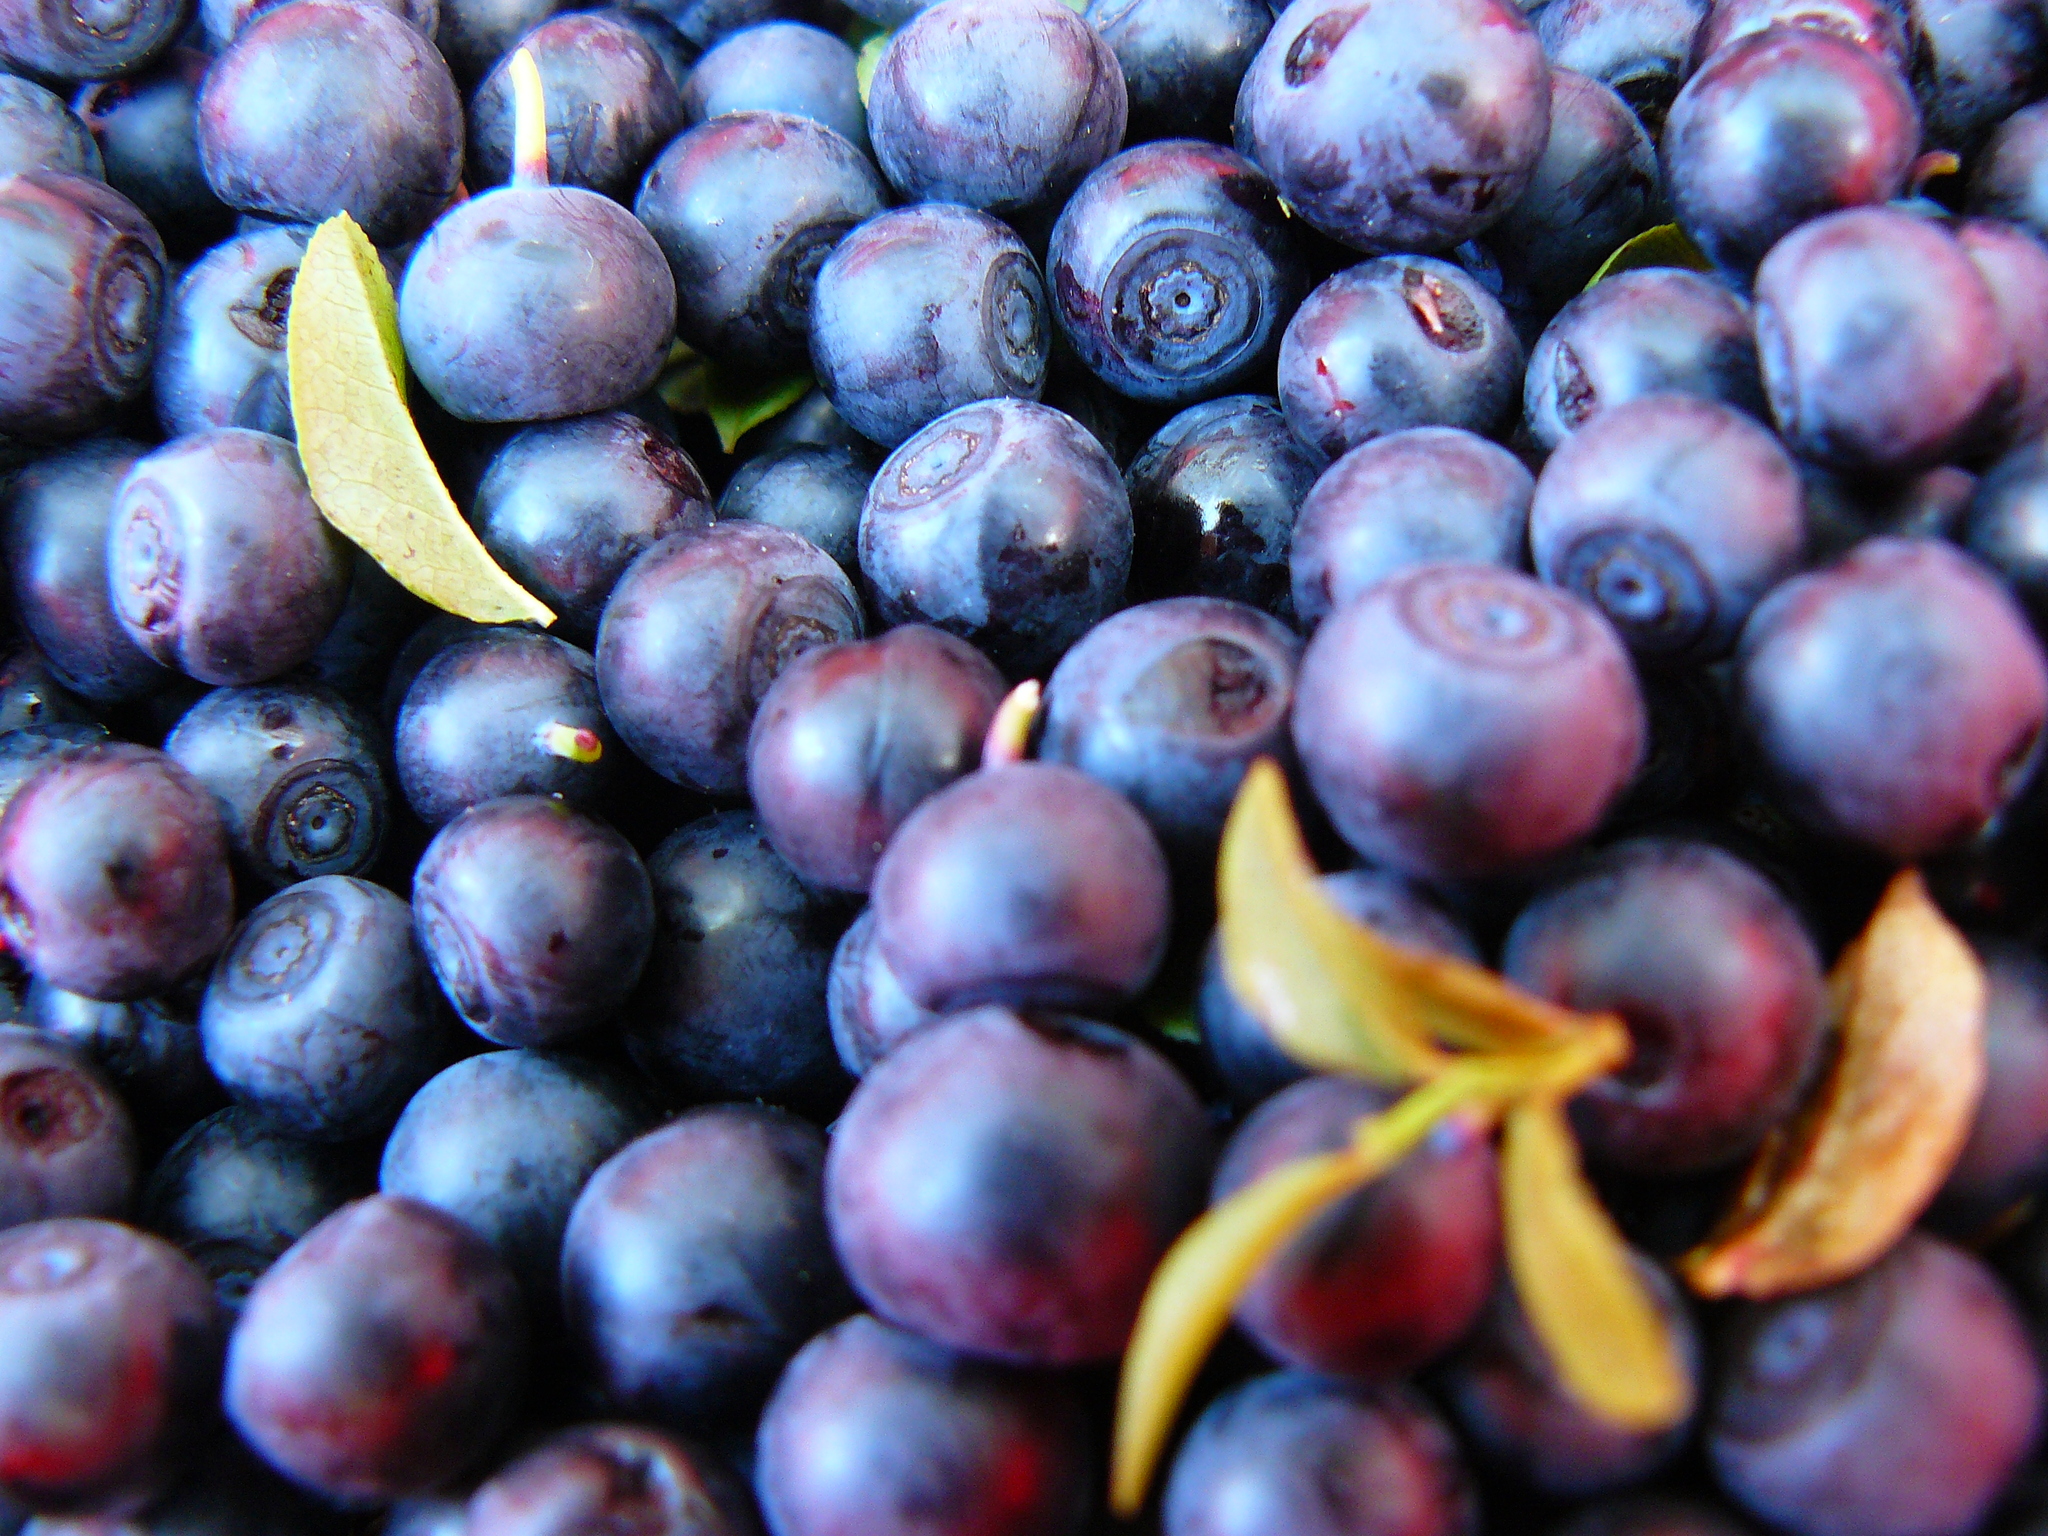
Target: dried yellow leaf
x: 1837, y: 1187
x: 369, y: 472
x: 1577, y: 1281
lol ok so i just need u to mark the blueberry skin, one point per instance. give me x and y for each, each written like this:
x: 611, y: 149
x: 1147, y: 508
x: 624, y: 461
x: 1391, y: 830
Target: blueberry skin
x: 1168, y: 703
x: 747, y: 207
x: 2006, y: 525
x: 116, y: 880
x: 380, y: 1356
x: 535, y: 303
x: 1897, y: 696
x: 1387, y: 1278
x: 997, y: 104
x: 218, y: 561
x: 868, y: 1009
x: 108, y: 1381
x: 298, y: 774
x: 1398, y: 128
x: 1884, y: 29
x: 700, y: 23
x: 1507, y: 1397
x: 472, y: 35
x: 1642, y: 48
x: 604, y: 1477
x: 1290, y: 1454
x: 697, y: 630
x: 1652, y: 331
x: 220, y: 357
x: 536, y: 919
x: 610, y: 106
x: 88, y: 43
x: 853, y: 738
x: 1726, y: 1010
x: 734, y: 1002
x: 53, y: 533
x: 1404, y: 341
x: 222, y: 21
x: 501, y: 712
x: 2010, y: 178
x: 1250, y: 1066
x: 1897, y: 1402
x: 875, y: 1429
x: 38, y: 132
x: 149, y: 1052
x: 147, y: 129
x: 807, y: 489
x: 1028, y: 883
x: 1596, y: 186
x: 1984, y: 64
x: 320, y: 1016
x: 81, y: 283
x: 1459, y: 721
x: 506, y: 1141
x: 1673, y: 516
x: 1075, y: 1156
x: 25, y: 750
x: 67, y: 1145
x: 1173, y: 271
x: 333, y: 107
x: 1409, y: 498
x: 697, y: 1261
x: 2014, y: 266
x: 924, y: 309
x: 235, y: 1194
x: 1182, y: 60
x: 2006, y: 1157
x: 1779, y: 128
x: 1005, y: 523
x: 779, y: 66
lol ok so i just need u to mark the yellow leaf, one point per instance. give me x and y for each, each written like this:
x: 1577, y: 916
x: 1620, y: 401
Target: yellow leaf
x: 1577, y: 1283
x: 1833, y: 1190
x: 867, y: 61
x: 368, y: 470
x: 1665, y: 246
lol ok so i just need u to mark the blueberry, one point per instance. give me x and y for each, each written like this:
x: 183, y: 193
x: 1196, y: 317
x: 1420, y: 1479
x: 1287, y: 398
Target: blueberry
x: 1405, y: 341
x: 504, y: 711
x: 23, y: 751
x: 612, y: 1477
x: 697, y: 1262
x: 2006, y: 524
x: 39, y: 133
x: 610, y: 106
x: 675, y: 53
x: 1214, y: 497
x: 874, y: 1429
x: 779, y: 66
x: 1292, y: 1454
x: 923, y: 309
x: 114, y: 1345
x: 701, y: 23
x: 747, y: 208
x: 116, y: 880
x: 220, y: 22
x: 1897, y: 1402
x: 868, y: 1009
x: 536, y: 918
x: 67, y: 1145
x: 333, y: 107
x: 2006, y: 1157
x: 53, y: 530
x: 1072, y: 1156
x: 472, y: 35
x: 506, y: 1141
x: 88, y: 42
x: 1897, y: 696
x: 997, y: 104
x: 1410, y: 498
x: 1651, y: 331
x: 81, y: 281
x: 1005, y: 523
x: 1461, y: 720
x: 148, y: 1050
x: 698, y: 628
x: 1642, y: 48
x: 219, y: 563
x: 147, y: 129
x: 2010, y: 177
x: 1182, y: 60
x: 734, y: 1004
x: 297, y: 773
x: 220, y: 358
x: 853, y: 738
x: 1984, y: 63
x: 2014, y: 266
x: 1030, y: 884
x: 380, y: 1356
x: 1781, y: 126
x: 320, y: 1016
x: 1398, y: 128
x: 807, y: 489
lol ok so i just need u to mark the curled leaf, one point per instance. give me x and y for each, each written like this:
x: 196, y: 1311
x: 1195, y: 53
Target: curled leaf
x: 1665, y: 246
x: 1577, y: 1281
x: 867, y: 61
x: 737, y: 403
x: 1835, y: 1188
x: 1008, y: 738
x: 368, y: 470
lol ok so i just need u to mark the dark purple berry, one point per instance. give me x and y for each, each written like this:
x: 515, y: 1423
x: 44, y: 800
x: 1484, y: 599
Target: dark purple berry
x: 612, y: 1477
x: 67, y: 1145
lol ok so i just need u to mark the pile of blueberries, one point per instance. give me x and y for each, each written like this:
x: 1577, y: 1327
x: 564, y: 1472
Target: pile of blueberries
x: 707, y: 1068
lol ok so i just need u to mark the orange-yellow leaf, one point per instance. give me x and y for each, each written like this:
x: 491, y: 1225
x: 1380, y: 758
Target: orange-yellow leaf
x: 1577, y: 1281
x: 1839, y: 1185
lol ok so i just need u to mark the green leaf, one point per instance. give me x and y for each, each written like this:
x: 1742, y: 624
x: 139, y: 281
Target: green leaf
x: 1665, y: 246
x: 738, y: 405
x: 866, y: 61
x: 365, y: 464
